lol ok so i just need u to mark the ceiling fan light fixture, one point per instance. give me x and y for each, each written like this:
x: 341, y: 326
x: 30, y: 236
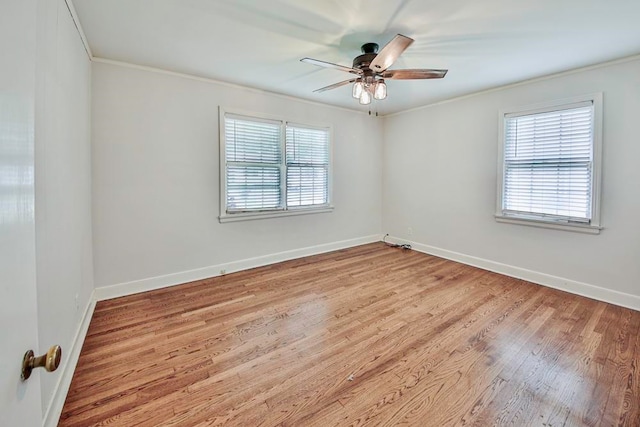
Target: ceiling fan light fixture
x: 371, y: 70
x: 380, y: 91
x: 358, y: 88
x: 365, y: 97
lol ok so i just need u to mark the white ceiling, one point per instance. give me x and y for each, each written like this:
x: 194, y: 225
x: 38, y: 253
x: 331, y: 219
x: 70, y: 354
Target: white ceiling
x: 258, y: 43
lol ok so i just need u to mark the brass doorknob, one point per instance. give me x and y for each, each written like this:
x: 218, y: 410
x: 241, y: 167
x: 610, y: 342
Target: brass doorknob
x: 49, y: 361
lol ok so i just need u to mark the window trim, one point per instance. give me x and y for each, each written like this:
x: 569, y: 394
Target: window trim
x: 594, y: 226
x: 284, y: 210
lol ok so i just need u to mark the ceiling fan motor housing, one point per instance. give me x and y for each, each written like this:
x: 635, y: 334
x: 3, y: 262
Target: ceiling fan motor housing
x: 369, y: 51
x: 362, y: 62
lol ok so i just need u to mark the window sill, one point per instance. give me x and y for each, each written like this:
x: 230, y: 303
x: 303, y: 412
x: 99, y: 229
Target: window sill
x: 247, y: 216
x: 577, y: 228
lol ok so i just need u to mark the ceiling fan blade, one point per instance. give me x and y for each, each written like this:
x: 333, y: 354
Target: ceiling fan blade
x: 335, y: 85
x: 414, y: 74
x: 331, y: 65
x: 390, y: 52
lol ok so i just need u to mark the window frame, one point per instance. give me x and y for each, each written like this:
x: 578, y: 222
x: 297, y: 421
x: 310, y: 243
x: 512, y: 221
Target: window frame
x: 283, y: 210
x: 594, y: 225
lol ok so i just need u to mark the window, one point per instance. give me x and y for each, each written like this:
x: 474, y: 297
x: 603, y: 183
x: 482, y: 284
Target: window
x: 307, y: 152
x: 270, y: 167
x: 549, y: 165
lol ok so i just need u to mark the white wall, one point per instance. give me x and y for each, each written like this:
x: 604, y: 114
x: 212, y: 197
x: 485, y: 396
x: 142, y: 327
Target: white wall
x: 156, y: 176
x: 64, y: 261
x: 440, y: 167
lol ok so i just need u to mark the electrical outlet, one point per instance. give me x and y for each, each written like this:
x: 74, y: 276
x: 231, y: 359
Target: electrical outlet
x: 410, y: 231
x: 77, y: 302
x: 223, y: 271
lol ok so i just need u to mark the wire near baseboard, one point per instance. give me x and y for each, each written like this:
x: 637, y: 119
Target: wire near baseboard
x: 405, y: 246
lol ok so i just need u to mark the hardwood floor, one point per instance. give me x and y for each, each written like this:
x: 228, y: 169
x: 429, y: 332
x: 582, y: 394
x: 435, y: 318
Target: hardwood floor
x: 365, y: 336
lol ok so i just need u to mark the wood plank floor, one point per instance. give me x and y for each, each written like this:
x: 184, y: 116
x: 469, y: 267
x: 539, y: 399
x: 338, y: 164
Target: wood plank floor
x: 365, y: 336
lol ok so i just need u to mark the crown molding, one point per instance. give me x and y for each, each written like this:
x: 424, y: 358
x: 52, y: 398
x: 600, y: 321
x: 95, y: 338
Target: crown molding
x: 76, y: 22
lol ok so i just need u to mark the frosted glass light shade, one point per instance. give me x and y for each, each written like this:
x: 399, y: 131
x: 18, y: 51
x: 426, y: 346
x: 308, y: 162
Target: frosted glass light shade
x: 381, y: 90
x: 357, y: 89
x: 365, y: 97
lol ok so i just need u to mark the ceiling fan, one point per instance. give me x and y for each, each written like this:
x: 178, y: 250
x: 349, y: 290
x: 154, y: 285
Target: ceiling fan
x: 371, y: 69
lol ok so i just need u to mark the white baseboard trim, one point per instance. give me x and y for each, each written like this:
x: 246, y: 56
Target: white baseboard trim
x: 584, y: 289
x: 152, y: 283
x: 70, y: 361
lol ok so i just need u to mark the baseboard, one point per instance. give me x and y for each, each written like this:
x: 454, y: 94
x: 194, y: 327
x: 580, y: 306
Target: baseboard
x: 152, y: 283
x: 70, y: 361
x: 584, y: 289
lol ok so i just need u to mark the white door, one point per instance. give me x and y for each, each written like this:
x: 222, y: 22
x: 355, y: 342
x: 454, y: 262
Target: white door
x: 20, y: 402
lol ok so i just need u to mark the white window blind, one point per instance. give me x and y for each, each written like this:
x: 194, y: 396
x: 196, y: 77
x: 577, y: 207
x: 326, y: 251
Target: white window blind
x: 270, y: 167
x: 548, y: 164
x: 253, y: 157
x: 307, y: 156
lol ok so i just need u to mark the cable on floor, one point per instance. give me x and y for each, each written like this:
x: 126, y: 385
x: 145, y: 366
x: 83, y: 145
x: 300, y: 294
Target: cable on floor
x: 404, y: 246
